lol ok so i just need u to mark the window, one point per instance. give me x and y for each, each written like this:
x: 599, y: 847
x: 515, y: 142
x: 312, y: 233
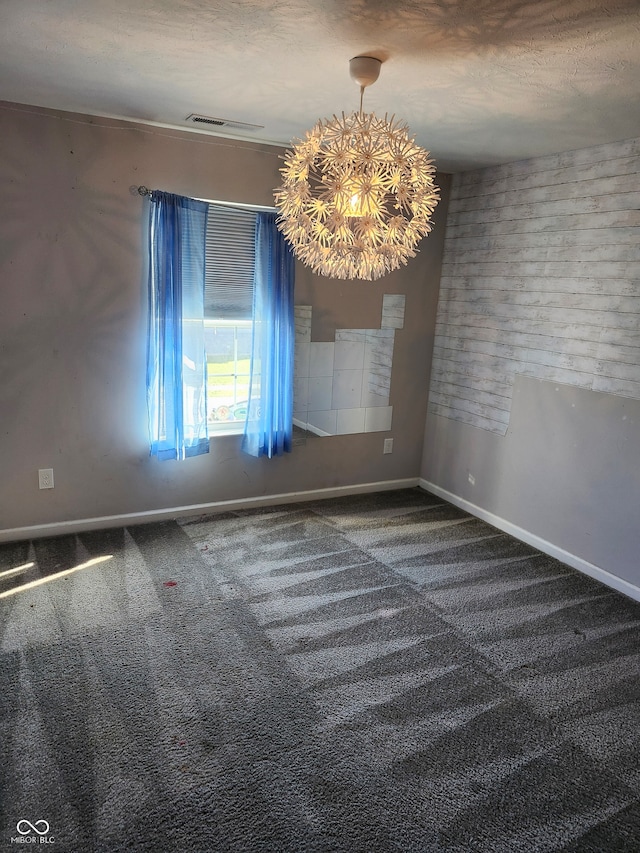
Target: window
x: 247, y: 263
x: 229, y: 267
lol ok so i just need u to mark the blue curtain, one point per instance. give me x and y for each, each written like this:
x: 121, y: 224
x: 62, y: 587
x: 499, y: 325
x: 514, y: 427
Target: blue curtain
x: 176, y: 360
x: 269, y: 425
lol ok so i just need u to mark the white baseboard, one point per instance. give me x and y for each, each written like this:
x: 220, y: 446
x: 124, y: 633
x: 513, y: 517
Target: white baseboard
x: 62, y: 528
x: 549, y: 548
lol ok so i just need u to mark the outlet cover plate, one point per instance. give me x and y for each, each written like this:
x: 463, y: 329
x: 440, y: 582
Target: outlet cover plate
x: 45, y: 478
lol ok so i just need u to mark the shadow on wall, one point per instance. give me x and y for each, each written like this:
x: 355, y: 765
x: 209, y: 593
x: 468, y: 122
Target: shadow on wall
x: 66, y: 247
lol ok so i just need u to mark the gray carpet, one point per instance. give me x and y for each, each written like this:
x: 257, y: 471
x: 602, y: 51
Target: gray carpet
x: 370, y: 674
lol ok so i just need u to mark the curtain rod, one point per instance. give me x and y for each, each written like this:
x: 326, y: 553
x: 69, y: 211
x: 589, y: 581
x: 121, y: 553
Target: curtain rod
x: 142, y: 190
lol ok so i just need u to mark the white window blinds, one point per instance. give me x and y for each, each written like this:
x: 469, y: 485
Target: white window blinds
x: 230, y: 259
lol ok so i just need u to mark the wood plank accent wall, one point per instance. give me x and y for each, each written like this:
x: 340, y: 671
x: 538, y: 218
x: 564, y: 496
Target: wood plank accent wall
x: 540, y: 276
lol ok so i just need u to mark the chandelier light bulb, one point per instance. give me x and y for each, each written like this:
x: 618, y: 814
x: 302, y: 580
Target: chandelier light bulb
x: 357, y: 193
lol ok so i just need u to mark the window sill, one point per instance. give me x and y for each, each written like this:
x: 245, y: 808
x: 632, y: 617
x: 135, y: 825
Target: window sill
x: 228, y: 431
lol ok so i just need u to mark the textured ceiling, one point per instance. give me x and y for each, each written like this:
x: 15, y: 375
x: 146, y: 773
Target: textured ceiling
x: 478, y: 81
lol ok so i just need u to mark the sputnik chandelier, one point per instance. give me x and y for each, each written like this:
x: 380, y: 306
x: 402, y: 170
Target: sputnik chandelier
x: 357, y: 193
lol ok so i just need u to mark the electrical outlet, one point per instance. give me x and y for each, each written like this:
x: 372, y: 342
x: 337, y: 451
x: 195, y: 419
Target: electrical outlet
x: 388, y: 445
x: 45, y: 478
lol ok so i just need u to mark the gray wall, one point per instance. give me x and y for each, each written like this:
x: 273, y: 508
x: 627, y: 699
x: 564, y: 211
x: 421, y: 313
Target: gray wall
x: 73, y: 322
x: 534, y: 407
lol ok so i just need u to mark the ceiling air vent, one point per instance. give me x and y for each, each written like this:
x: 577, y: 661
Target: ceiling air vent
x: 223, y: 123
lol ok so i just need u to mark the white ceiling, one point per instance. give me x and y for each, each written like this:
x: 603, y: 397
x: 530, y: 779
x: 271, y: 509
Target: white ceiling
x: 479, y: 82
